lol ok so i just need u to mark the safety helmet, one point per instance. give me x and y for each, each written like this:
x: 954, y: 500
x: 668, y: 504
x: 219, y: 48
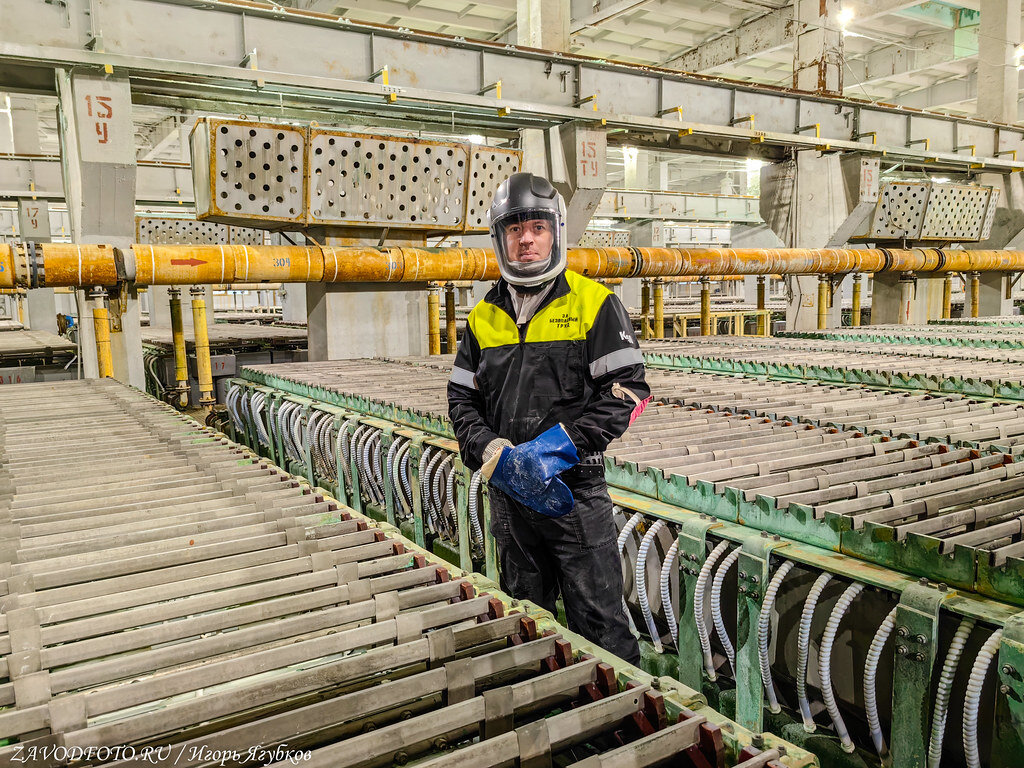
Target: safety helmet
x: 524, y: 198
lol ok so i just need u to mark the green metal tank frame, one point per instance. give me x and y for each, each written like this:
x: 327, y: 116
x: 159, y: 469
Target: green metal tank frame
x: 920, y: 600
x: 970, y: 386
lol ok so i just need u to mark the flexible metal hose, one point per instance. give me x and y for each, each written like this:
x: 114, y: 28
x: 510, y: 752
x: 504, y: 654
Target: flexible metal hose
x: 436, y: 487
x: 825, y: 663
x: 356, y: 448
x: 450, y: 511
x: 377, y: 466
x: 803, y: 643
x: 327, y: 448
x: 300, y: 437
x: 259, y: 404
x: 666, y: 591
x: 365, y: 467
x: 716, y: 605
x: 624, y: 534
x: 428, y: 490
x: 698, y: 607
x: 425, y: 457
x: 640, y: 576
x: 280, y: 432
x: 764, y: 627
x: 390, y: 464
x: 474, y: 510
x: 402, y: 460
x: 341, y: 449
x: 972, y: 699
x: 870, y: 676
x: 941, y: 709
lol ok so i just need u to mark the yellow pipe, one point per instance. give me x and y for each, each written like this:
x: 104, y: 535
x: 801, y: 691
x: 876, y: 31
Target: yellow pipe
x: 947, y: 297
x: 202, y: 336
x: 101, y: 326
x: 21, y: 309
x: 855, y: 316
x: 86, y: 265
x: 433, y: 321
x: 705, y: 308
x: 822, y: 302
x: 449, y: 316
x: 762, y: 319
x: 178, y: 338
x: 975, y: 287
x: 659, y: 308
x: 645, y: 309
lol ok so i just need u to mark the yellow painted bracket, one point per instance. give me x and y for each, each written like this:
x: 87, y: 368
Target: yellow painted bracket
x: 591, y: 99
x: 382, y: 73
x: 495, y: 86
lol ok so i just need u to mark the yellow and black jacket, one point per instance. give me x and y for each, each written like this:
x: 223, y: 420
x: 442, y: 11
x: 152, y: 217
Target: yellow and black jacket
x: 517, y: 381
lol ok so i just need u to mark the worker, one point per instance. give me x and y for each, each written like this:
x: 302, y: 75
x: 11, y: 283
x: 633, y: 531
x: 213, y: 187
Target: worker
x: 547, y: 374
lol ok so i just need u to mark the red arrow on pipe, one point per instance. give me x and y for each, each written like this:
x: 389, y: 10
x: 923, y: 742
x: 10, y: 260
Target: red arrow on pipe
x: 187, y: 262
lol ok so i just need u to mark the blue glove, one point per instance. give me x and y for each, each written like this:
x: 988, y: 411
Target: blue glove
x: 529, y: 472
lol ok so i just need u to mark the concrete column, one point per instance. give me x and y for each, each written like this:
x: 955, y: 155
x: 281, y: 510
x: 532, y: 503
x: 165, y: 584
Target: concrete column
x: 818, y: 47
x: 543, y: 24
x: 25, y: 125
x: 34, y: 226
x: 350, y: 320
x: 997, y: 65
x: 97, y: 140
x: 664, y: 175
x: 804, y: 202
x: 749, y: 289
x: 293, y: 304
x: 992, y: 299
x: 926, y: 302
x: 33, y: 215
x: 637, y: 168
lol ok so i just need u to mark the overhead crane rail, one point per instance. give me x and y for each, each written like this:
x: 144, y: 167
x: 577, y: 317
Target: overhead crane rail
x: 684, y: 568
x: 194, y: 605
x: 33, y: 265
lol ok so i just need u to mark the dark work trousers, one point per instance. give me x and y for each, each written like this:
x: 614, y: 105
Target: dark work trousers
x: 575, y: 555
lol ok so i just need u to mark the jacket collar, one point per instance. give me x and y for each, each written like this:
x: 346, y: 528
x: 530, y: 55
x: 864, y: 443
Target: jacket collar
x: 499, y: 294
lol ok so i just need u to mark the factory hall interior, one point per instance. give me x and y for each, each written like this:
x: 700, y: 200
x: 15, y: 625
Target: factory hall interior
x: 512, y: 383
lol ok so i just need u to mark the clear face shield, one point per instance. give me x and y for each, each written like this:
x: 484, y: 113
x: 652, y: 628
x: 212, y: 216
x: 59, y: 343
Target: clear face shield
x: 526, y: 244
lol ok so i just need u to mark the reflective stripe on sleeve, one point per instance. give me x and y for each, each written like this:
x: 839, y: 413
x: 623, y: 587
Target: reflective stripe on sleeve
x: 463, y: 378
x: 615, y: 360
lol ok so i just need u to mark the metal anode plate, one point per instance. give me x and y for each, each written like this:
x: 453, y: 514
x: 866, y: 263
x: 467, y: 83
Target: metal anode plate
x: 990, y: 214
x: 487, y: 169
x: 605, y: 238
x: 162, y: 231
x: 245, y: 236
x: 257, y: 170
x: 955, y: 212
x: 356, y: 180
x: 156, y: 230
x: 900, y: 210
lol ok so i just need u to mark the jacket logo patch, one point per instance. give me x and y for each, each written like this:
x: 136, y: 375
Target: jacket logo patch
x: 625, y: 337
x: 564, y: 320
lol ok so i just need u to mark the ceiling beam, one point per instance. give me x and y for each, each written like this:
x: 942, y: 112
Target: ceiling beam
x: 922, y: 52
x: 605, y: 14
x: 767, y: 32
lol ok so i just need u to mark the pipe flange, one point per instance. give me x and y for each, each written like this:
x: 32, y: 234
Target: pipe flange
x: 35, y: 266
x: 889, y: 260
x: 638, y: 262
